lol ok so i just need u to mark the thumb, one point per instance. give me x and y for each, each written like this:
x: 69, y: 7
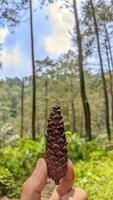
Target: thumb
x: 66, y: 182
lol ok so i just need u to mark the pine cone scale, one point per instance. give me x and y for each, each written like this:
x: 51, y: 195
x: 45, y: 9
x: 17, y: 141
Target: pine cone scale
x: 56, y: 146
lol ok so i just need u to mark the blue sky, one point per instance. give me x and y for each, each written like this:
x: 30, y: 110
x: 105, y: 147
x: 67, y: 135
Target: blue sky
x: 51, y: 38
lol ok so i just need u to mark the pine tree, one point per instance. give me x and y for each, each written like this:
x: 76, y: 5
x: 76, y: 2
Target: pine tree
x: 85, y: 102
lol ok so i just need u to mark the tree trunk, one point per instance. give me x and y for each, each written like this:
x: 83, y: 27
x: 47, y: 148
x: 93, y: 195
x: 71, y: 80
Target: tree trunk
x: 68, y: 116
x: 46, y: 101
x: 110, y: 79
x: 73, y: 117
x: 33, y: 76
x: 81, y: 125
x: 22, y: 109
x: 102, y: 73
x: 73, y: 107
x: 109, y: 44
x: 82, y: 81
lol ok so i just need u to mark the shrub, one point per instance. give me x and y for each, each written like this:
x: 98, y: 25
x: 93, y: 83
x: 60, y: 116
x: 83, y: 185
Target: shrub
x: 80, y: 149
x: 73, y: 146
x: 20, y: 159
x: 86, y: 148
x: 96, y: 178
x: 93, y: 166
x: 7, y: 183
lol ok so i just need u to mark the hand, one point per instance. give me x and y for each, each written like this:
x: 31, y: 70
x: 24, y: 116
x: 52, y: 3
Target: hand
x: 36, y: 182
x: 74, y: 194
x: 64, y: 191
x: 67, y: 181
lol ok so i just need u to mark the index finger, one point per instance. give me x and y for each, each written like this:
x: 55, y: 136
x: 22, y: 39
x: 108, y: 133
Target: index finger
x: 39, y: 174
x: 38, y: 179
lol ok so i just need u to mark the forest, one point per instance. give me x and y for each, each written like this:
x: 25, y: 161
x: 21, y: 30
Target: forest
x: 80, y: 81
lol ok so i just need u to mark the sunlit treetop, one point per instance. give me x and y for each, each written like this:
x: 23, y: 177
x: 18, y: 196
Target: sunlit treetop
x: 13, y: 12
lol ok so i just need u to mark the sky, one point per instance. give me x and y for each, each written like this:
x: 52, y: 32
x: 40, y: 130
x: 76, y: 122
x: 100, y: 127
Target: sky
x: 51, y: 38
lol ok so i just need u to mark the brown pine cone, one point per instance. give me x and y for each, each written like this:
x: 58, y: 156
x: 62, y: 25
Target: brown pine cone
x: 56, y: 146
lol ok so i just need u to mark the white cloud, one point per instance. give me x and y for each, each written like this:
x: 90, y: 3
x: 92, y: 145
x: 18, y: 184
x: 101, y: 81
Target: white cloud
x: 13, y: 58
x: 3, y: 34
x: 15, y: 63
x: 59, y: 40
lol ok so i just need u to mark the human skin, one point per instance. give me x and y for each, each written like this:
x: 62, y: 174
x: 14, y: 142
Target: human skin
x: 36, y: 182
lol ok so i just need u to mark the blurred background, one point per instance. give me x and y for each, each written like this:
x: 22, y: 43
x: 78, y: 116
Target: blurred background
x: 56, y: 52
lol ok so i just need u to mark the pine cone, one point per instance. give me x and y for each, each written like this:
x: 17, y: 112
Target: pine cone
x: 56, y: 146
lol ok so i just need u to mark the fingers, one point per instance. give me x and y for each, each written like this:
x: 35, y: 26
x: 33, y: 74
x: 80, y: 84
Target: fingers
x: 74, y: 194
x: 80, y: 194
x: 39, y: 175
x: 66, y: 182
x: 36, y: 182
x: 70, y: 172
x: 28, y: 194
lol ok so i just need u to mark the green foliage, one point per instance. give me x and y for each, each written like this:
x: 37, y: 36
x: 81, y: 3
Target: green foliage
x: 41, y: 146
x: 110, y: 155
x: 19, y: 157
x: 58, y: 77
x: 80, y: 149
x: 7, y: 183
x: 96, y: 178
x: 18, y: 161
x: 6, y: 135
x: 102, y: 139
x: 93, y: 166
x: 73, y: 146
x: 87, y: 148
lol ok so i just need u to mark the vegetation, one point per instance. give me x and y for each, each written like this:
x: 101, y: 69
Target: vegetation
x: 93, y: 165
x: 11, y: 92
x: 81, y: 72
x: 81, y: 82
